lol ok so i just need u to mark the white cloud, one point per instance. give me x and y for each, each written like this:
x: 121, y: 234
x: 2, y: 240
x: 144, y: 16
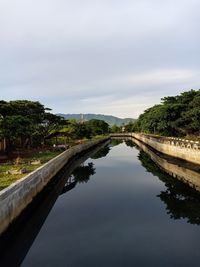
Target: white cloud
x: 98, y: 56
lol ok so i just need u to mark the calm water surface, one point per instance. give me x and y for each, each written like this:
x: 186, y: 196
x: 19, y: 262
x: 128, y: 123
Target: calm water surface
x: 117, y: 213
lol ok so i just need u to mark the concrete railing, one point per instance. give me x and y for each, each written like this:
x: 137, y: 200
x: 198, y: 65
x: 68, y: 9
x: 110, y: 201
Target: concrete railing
x: 15, y: 198
x: 183, y: 143
x: 175, y: 147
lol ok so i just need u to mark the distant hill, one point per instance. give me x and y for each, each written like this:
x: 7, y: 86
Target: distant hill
x: 111, y: 120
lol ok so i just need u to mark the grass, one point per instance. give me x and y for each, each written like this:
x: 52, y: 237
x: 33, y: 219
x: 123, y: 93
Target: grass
x: 7, y: 179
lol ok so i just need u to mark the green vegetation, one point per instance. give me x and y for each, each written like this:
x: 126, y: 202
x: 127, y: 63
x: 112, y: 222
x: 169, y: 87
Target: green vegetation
x: 175, y: 116
x: 98, y: 127
x: 26, y: 123
x: 74, y: 130
x: 12, y: 171
x: 116, y: 129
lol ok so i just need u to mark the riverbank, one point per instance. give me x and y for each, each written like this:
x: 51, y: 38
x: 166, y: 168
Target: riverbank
x: 11, y: 171
x: 179, y: 148
x: 15, y: 198
x: 21, y: 162
x: 187, y: 173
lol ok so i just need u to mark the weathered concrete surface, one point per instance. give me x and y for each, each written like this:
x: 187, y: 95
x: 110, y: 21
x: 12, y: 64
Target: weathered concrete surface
x: 181, y: 172
x: 188, y: 151
x: 15, y: 198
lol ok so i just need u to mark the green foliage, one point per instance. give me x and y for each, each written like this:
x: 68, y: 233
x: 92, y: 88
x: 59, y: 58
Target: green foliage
x: 115, y: 129
x: 50, y: 124
x: 30, y: 109
x: 81, y: 130
x: 15, y: 126
x: 98, y: 127
x: 129, y: 127
x: 175, y: 116
x: 27, y: 121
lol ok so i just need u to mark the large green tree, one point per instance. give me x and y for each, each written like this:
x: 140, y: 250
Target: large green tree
x: 25, y: 120
x: 98, y: 127
x: 176, y: 116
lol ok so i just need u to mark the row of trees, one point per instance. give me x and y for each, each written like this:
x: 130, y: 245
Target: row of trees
x: 29, y: 123
x: 87, y: 129
x: 26, y: 121
x: 175, y: 116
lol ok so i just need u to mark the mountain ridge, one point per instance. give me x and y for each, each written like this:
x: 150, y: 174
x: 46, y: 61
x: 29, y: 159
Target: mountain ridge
x: 110, y: 119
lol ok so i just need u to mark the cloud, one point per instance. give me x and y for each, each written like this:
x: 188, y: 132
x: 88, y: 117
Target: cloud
x: 72, y: 54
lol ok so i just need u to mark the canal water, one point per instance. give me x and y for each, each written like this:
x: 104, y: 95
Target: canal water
x: 119, y: 209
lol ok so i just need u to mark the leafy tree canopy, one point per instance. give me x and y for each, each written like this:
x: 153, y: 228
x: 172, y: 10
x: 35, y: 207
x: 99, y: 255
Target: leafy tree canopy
x: 175, y: 116
x: 98, y: 126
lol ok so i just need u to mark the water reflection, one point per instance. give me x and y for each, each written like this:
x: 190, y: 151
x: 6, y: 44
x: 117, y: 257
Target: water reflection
x: 130, y: 143
x: 69, y: 185
x: 20, y: 236
x: 101, y: 153
x: 80, y: 175
x: 83, y: 173
x: 182, y: 201
x: 125, y: 227
x: 116, y: 141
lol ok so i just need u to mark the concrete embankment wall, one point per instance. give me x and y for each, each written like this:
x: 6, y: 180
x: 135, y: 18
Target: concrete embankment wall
x: 15, y: 198
x: 175, y: 147
x: 182, y: 173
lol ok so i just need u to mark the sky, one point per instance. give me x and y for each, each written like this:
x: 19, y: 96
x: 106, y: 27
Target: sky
x: 98, y: 56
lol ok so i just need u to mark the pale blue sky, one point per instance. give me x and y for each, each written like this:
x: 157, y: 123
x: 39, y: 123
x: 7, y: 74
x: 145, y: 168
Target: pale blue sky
x: 98, y: 56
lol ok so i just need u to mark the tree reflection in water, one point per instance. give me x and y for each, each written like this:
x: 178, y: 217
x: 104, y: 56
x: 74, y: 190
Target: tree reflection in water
x: 130, y: 143
x: 181, y: 200
x: 116, y: 142
x: 101, y: 153
x: 82, y: 173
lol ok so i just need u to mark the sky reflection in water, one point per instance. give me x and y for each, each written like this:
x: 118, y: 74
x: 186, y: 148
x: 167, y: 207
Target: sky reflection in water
x: 119, y: 213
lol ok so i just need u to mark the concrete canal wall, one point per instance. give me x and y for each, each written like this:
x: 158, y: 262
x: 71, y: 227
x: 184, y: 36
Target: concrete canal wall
x: 175, y: 147
x: 15, y: 198
x: 181, y: 172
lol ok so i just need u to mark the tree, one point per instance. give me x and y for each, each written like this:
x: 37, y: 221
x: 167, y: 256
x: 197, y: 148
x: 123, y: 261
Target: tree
x: 129, y: 127
x: 175, y: 116
x: 80, y: 130
x: 115, y: 129
x: 26, y: 120
x: 50, y: 124
x: 14, y: 127
x: 98, y: 127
